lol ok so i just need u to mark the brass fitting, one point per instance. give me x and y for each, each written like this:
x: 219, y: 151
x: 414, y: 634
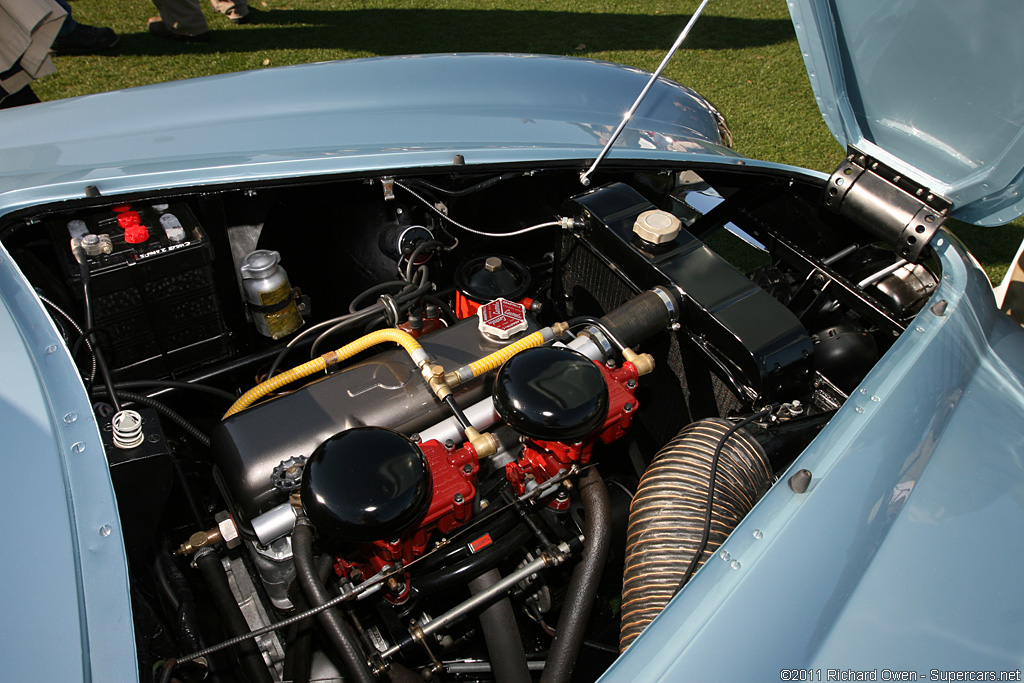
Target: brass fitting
x: 434, y: 374
x: 224, y: 531
x: 452, y: 379
x: 643, y: 362
x: 483, y: 444
x: 558, y: 329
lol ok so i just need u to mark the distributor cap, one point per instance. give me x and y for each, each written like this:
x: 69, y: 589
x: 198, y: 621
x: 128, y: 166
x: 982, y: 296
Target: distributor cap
x: 551, y: 393
x: 485, y: 278
x: 365, y: 484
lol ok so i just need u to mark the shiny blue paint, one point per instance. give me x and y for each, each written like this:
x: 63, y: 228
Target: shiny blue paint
x: 340, y: 117
x: 931, y: 88
x: 903, y: 553
x: 65, y: 602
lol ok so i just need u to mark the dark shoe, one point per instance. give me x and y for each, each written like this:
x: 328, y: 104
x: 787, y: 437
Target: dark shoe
x: 85, y: 40
x: 161, y: 30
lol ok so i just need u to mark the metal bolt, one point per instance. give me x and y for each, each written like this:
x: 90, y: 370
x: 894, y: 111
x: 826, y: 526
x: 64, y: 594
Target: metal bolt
x: 492, y: 264
x: 449, y: 444
x: 735, y: 564
x: 628, y: 408
x: 631, y: 383
x: 467, y: 468
x: 105, y: 530
x: 78, y: 447
x: 70, y: 417
x: 758, y: 534
x: 876, y: 399
x: 724, y: 554
x: 51, y: 348
x: 458, y: 499
x: 859, y: 409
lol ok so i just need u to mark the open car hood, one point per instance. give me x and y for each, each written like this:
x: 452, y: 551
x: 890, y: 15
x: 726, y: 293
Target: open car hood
x: 931, y: 89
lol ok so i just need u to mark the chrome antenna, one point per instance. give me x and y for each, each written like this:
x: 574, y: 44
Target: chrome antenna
x: 585, y: 176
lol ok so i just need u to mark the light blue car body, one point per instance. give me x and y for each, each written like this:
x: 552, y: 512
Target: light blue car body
x: 902, y: 554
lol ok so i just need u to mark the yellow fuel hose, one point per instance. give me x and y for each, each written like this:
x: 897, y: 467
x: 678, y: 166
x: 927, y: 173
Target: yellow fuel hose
x: 406, y: 340
x: 498, y: 358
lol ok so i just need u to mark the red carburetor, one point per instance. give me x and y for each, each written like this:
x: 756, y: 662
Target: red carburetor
x: 453, y: 478
x: 383, y: 495
x: 564, y: 403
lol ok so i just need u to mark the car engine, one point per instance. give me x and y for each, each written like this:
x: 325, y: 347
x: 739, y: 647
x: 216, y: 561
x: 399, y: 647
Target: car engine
x: 450, y: 425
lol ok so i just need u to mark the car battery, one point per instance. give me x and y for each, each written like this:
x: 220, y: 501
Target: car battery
x: 152, y: 289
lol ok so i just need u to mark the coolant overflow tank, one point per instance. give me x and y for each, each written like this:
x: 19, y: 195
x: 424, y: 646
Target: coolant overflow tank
x: 269, y: 294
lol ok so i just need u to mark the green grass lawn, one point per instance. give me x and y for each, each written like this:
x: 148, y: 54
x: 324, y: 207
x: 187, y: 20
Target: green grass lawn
x: 742, y: 55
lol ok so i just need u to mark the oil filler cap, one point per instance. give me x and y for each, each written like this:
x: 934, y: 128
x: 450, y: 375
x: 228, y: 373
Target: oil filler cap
x: 501, y: 319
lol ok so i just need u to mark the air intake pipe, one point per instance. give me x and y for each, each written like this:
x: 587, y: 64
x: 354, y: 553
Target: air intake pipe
x: 667, y: 515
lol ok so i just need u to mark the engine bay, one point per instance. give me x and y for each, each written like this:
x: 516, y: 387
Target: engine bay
x: 450, y: 425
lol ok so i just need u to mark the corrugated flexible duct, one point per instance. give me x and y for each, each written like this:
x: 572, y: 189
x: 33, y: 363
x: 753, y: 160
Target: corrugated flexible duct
x: 666, y: 517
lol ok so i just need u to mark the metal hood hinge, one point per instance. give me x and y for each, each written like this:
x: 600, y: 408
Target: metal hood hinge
x: 889, y: 205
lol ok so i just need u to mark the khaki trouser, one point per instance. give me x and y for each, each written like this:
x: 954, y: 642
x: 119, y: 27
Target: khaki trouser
x: 26, y: 30
x: 186, y: 16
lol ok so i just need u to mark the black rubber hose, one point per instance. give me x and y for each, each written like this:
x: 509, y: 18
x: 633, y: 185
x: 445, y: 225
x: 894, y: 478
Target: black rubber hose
x: 641, y: 317
x: 474, y: 565
x: 249, y: 655
x: 667, y: 517
x: 179, y: 594
x: 101, y: 363
x: 579, y: 598
x: 501, y: 634
x: 298, y: 658
x: 334, y: 625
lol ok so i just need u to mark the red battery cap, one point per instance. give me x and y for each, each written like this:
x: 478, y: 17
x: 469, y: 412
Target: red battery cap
x: 120, y: 208
x: 136, y: 234
x: 128, y: 219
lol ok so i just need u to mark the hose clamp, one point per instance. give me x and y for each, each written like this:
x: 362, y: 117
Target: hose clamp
x: 390, y: 309
x: 669, y: 301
